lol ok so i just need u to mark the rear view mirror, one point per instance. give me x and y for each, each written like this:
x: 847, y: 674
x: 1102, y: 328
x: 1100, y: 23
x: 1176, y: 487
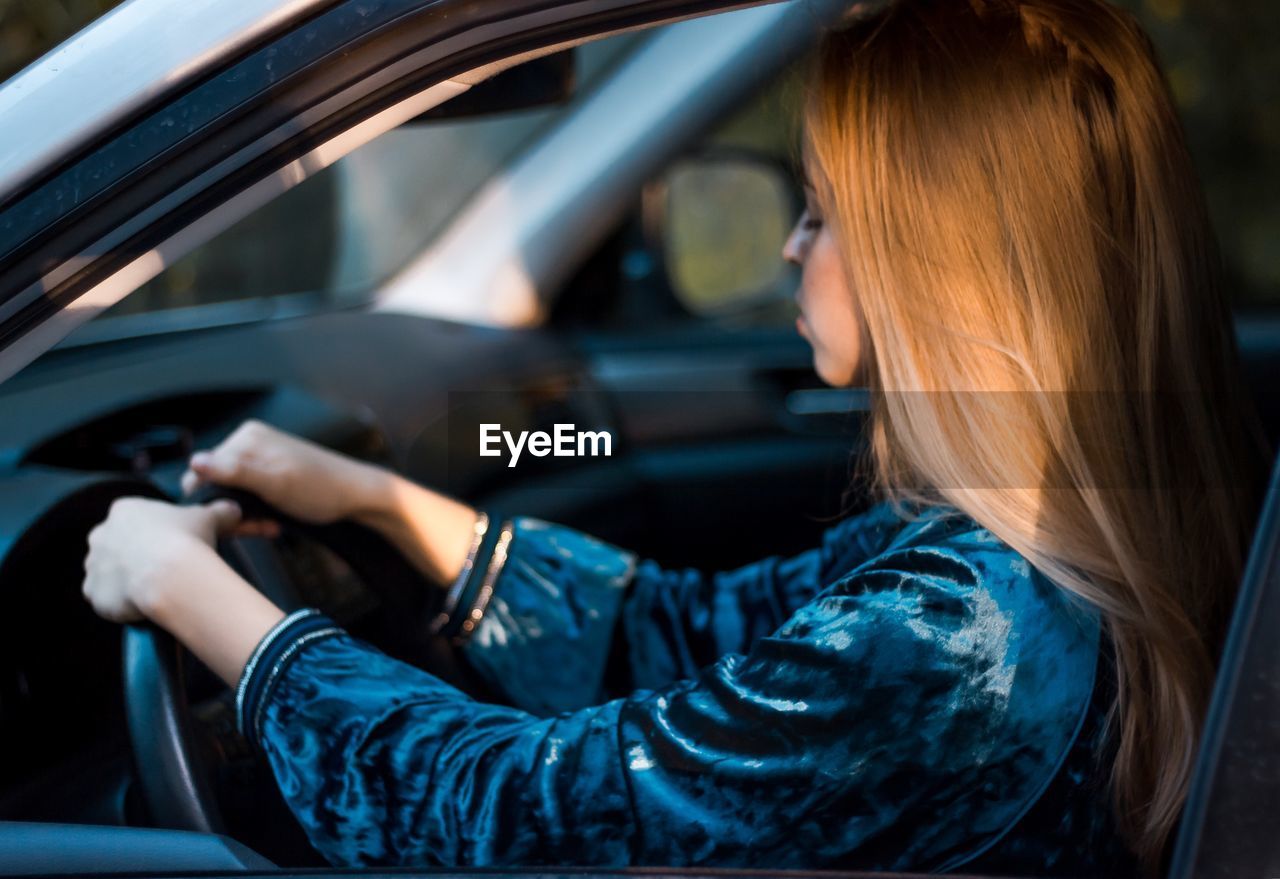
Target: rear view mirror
x: 538, y: 82
x: 726, y: 219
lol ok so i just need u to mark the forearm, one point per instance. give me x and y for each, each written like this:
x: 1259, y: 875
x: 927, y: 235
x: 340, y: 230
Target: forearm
x: 214, y: 613
x: 338, y: 713
x: 430, y: 529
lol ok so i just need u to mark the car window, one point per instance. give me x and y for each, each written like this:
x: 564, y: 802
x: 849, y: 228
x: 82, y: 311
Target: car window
x: 727, y: 208
x: 1225, y: 76
x: 703, y: 240
x: 329, y: 241
x: 721, y: 209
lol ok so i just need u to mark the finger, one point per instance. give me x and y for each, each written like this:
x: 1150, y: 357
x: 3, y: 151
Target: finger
x: 258, y: 528
x: 269, y: 528
x: 204, y: 464
x: 226, y: 515
x: 223, y: 465
x: 190, y: 482
x: 120, y: 612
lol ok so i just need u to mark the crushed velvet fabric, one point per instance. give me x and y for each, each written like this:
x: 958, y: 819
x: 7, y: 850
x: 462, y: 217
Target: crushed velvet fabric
x: 909, y: 696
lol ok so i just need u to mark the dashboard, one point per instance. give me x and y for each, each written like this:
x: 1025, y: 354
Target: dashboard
x: 62, y: 727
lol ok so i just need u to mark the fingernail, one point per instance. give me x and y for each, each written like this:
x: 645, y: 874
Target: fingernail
x: 199, y: 459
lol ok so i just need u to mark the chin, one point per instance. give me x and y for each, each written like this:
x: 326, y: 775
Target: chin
x: 837, y: 375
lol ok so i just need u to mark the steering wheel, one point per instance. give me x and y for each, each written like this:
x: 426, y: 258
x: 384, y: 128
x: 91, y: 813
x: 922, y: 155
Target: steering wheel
x: 175, y: 776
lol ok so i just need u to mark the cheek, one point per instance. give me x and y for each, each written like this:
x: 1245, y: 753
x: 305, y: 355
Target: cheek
x: 831, y: 312
x: 828, y: 278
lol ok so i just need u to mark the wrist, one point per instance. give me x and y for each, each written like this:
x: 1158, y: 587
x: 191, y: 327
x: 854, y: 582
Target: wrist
x: 373, y: 497
x: 431, y: 530
x: 210, y: 609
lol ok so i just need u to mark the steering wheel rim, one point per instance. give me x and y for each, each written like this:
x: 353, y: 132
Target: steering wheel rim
x: 175, y: 784
x: 174, y: 779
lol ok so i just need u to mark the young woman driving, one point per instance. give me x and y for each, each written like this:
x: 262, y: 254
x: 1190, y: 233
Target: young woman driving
x: 1002, y: 667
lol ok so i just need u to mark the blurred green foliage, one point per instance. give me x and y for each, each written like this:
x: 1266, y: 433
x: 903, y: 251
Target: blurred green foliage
x: 1222, y: 65
x: 726, y: 222
x: 727, y: 219
x: 29, y: 28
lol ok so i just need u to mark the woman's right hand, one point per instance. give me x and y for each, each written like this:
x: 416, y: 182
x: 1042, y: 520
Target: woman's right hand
x: 316, y: 485
x: 297, y: 477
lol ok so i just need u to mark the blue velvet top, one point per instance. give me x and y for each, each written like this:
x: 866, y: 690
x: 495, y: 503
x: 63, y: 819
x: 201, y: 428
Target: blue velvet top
x: 911, y: 695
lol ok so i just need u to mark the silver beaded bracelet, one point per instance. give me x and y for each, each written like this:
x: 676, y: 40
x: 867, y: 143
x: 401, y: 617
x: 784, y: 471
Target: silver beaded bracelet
x: 454, y: 595
x: 496, y: 563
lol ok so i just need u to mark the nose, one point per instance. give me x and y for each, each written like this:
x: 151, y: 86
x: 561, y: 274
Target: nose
x: 793, y: 247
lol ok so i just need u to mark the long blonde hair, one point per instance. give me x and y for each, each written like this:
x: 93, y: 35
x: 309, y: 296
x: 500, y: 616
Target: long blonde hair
x: 1051, y: 353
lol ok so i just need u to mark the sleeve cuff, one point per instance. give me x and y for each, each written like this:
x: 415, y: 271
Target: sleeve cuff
x: 269, y: 660
x: 542, y: 623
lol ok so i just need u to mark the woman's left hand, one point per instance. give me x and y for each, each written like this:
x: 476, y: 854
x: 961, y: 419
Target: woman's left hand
x: 145, y: 548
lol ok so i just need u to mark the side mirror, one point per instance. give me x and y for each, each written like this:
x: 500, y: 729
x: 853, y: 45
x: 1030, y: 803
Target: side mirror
x: 726, y: 217
x: 539, y: 82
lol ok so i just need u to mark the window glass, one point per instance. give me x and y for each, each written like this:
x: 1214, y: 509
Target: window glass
x: 1225, y: 74
x: 726, y: 208
x: 1226, y: 84
x: 330, y: 240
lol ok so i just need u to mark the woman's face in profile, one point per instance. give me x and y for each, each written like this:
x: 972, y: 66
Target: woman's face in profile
x: 829, y: 317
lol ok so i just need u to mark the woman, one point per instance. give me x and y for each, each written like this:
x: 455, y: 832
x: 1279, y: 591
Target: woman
x: 1000, y: 668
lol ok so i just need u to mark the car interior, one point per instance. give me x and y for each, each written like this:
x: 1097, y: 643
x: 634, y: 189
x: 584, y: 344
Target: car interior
x: 726, y: 448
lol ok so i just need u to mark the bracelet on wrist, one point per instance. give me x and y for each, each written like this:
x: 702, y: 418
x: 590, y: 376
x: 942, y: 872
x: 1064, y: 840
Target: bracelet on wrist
x: 484, y: 570
x: 454, y: 596
x: 480, y: 596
